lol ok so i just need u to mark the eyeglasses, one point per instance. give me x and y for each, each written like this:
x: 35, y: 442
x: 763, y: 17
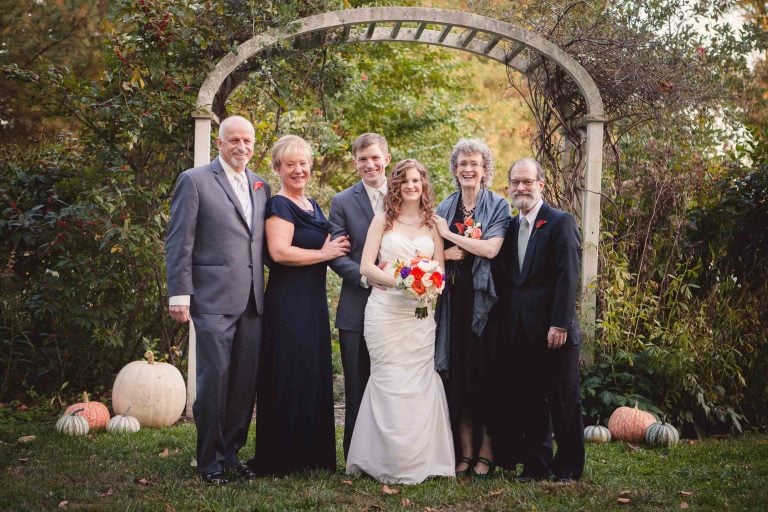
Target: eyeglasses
x: 527, y: 183
x: 473, y: 165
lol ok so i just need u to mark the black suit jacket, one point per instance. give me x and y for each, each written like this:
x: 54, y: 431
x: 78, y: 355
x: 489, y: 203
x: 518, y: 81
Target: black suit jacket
x: 543, y: 294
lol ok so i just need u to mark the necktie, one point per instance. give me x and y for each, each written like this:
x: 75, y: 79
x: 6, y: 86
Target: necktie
x: 378, y: 201
x: 242, y: 194
x: 522, y: 240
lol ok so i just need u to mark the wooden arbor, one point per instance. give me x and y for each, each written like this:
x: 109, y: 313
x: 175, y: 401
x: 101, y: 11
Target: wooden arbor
x: 510, y: 45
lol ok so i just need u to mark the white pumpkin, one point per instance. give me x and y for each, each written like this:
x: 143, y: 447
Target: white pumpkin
x: 72, y: 424
x: 597, y: 433
x: 122, y: 423
x: 154, y: 391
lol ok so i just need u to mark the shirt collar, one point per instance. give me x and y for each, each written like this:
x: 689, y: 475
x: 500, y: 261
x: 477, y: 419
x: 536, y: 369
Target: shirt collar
x: 229, y: 171
x: 533, y: 213
x: 371, y: 191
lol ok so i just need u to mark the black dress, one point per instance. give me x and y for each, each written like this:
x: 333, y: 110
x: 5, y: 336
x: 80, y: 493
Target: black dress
x: 464, y: 387
x: 294, y: 421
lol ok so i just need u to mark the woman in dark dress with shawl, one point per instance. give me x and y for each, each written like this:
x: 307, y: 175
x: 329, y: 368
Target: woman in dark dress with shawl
x: 295, y: 424
x: 473, y: 221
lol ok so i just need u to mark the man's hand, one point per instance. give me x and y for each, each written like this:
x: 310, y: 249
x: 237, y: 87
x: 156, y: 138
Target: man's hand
x: 556, y: 337
x: 179, y: 313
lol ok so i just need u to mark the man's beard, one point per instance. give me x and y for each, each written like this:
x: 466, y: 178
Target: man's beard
x: 524, y: 203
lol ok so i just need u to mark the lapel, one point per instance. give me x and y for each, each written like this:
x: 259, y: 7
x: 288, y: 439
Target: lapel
x: 363, y: 201
x: 533, y: 241
x: 255, y: 201
x: 223, y: 181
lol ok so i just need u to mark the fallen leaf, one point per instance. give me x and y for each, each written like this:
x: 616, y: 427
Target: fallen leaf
x: 686, y: 493
x: 24, y: 460
x: 142, y: 481
x: 371, y: 508
x: 348, y: 482
x: 625, y: 493
x: 23, y: 407
x: 683, y: 505
x: 406, y: 502
x: 107, y: 493
x: 623, y: 501
x: 633, y: 447
x: 193, y: 463
x: 495, y: 493
x: 691, y: 441
x: 430, y: 509
x: 389, y: 490
x: 164, y: 453
x: 63, y: 504
x: 26, y: 439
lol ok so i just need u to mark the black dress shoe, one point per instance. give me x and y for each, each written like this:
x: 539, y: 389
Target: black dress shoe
x: 246, y: 473
x: 215, y: 478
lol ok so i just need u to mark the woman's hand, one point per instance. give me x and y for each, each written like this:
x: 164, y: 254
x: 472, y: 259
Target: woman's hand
x: 455, y: 253
x: 334, y: 248
x: 441, y: 225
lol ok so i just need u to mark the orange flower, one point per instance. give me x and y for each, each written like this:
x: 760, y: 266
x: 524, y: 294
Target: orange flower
x: 418, y: 286
x: 437, y: 279
x: 469, y: 222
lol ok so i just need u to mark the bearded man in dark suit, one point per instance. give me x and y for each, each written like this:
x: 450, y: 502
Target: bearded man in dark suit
x: 538, y: 272
x: 214, y: 250
x: 351, y: 213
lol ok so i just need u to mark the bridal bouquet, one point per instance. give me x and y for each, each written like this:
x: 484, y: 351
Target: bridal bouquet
x: 420, y: 279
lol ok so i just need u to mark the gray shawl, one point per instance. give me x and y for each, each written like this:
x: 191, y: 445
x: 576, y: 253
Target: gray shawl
x: 492, y: 212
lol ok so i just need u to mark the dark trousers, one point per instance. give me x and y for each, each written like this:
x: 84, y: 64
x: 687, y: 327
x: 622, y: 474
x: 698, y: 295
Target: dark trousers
x: 357, y: 369
x: 228, y: 349
x: 550, y: 403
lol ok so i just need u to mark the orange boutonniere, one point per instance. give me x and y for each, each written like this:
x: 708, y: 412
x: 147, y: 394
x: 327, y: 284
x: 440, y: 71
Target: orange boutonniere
x: 469, y: 229
x: 257, y: 185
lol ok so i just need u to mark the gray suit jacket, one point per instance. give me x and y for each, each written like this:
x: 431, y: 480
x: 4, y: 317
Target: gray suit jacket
x: 351, y: 214
x: 210, y: 253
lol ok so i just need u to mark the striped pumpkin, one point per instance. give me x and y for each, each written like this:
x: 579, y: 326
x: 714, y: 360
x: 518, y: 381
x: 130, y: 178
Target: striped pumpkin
x: 662, y: 434
x: 95, y: 413
x: 597, y: 433
x: 72, y: 424
x: 122, y: 423
x: 629, y: 424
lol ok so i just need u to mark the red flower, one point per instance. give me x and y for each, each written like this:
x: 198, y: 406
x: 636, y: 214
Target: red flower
x: 417, y: 273
x: 257, y: 185
x: 437, y: 279
x: 540, y: 223
x: 460, y: 227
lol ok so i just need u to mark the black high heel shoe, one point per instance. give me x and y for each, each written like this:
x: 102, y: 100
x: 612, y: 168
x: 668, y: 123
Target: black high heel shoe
x: 491, y: 468
x: 470, y: 464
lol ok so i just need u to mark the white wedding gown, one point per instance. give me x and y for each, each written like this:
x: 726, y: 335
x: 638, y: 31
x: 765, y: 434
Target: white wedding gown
x: 402, y: 433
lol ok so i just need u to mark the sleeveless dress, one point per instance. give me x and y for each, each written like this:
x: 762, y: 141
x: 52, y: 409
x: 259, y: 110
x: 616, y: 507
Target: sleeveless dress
x: 402, y: 434
x: 294, y: 413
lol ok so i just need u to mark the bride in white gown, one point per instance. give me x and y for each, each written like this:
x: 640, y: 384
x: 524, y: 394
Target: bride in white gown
x: 402, y: 433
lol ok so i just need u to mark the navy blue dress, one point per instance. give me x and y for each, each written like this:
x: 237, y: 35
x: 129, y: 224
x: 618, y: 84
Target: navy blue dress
x: 294, y: 418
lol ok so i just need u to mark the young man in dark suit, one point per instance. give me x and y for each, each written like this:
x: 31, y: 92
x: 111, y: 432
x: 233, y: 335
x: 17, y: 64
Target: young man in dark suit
x: 351, y: 213
x: 213, y: 251
x: 539, y: 269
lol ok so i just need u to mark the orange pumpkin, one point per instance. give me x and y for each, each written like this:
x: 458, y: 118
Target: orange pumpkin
x: 95, y: 413
x: 630, y: 423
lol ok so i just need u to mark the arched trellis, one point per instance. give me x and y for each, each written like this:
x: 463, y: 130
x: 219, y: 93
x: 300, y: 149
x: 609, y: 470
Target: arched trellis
x: 505, y: 43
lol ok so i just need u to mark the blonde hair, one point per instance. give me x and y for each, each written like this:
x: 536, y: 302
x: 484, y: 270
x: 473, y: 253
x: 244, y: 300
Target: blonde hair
x: 289, y: 145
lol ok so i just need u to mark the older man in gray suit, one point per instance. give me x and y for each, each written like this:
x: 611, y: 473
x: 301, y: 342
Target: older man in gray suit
x: 351, y: 213
x: 214, y: 250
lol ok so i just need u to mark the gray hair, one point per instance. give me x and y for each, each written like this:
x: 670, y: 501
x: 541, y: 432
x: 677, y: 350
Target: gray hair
x: 224, y: 126
x: 468, y: 146
x: 525, y: 162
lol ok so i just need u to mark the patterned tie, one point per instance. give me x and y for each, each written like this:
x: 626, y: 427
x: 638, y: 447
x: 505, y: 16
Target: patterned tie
x: 242, y: 194
x: 522, y: 241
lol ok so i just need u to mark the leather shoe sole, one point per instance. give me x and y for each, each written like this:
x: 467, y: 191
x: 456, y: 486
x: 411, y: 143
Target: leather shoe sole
x: 215, y: 478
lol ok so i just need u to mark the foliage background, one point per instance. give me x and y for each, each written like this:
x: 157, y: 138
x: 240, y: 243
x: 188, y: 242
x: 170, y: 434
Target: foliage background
x: 94, y: 118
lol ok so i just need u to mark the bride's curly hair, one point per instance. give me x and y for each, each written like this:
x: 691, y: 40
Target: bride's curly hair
x: 394, y: 199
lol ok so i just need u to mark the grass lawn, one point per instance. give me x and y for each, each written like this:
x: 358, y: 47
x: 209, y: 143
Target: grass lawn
x: 151, y: 470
